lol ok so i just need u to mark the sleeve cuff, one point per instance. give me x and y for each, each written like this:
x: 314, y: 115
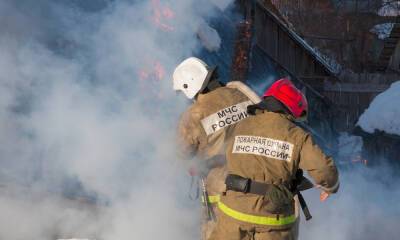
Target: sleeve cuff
x: 332, y: 189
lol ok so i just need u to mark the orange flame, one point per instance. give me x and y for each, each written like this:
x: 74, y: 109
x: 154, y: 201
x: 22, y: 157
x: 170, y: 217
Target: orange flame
x: 149, y: 78
x: 154, y: 71
x: 162, y: 15
x: 359, y: 159
x: 159, y: 70
x: 241, y: 59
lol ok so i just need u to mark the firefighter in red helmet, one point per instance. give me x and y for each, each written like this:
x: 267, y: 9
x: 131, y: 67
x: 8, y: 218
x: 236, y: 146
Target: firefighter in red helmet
x: 285, y: 92
x: 264, y: 156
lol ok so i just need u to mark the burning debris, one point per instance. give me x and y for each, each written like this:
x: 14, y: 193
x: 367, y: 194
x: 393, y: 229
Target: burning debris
x: 241, y: 58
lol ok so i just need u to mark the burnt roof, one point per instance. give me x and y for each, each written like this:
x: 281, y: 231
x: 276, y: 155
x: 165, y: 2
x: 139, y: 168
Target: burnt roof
x: 295, y: 37
x: 264, y: 70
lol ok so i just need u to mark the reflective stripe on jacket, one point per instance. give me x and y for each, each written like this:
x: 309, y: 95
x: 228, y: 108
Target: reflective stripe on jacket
x: 261, y: 220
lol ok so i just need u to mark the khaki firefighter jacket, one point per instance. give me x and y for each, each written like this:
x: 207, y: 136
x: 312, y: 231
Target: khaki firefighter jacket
x: 270, y: 148
x: 202, y: 129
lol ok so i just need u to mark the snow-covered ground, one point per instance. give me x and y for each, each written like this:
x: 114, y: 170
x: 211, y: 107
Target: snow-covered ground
x: 384, y: 112
x: 382, y: 30
x: 389, y: 8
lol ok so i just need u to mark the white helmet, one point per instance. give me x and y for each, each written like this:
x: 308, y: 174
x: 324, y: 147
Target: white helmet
x: 191, y: 77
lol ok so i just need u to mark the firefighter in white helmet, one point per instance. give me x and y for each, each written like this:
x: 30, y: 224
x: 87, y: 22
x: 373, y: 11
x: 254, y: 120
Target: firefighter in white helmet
x: 204, y: 127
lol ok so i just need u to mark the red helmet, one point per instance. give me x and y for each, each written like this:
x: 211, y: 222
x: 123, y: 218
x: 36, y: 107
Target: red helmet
x: 286, y: 92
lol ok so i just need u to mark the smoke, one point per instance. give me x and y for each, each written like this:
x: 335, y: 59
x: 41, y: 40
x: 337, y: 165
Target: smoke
x: 366, y: 207
x: 87, y: 119
x: 87, y: 112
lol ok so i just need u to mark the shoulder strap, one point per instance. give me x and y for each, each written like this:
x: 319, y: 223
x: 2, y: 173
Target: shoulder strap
x: 245, y: 90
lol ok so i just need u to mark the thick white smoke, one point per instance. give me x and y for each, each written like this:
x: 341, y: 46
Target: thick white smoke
x: 366, y: 207
x: 87, y: 110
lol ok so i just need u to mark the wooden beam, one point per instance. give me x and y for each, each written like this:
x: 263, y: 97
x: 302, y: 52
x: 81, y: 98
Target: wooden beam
x: 355, y: 87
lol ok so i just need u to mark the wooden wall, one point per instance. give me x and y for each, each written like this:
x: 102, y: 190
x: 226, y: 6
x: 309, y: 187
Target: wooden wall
x: 284, y: 46
x: 348, y: 95
x: 353, y: 95
x: 380, y: 148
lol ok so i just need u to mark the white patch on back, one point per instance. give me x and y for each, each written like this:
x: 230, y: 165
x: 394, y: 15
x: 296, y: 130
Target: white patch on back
x: 225, y: 117
x: 266, y: 147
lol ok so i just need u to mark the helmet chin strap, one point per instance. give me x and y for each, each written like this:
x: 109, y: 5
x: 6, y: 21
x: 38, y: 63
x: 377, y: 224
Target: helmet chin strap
x: 212, y: 73
x: 212, y: 81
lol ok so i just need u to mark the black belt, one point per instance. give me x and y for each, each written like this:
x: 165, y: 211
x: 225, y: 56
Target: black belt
x: 245, y: 185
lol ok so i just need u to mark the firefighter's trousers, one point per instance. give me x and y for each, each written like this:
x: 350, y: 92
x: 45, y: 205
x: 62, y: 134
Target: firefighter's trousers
x: 215, y: 186
x: 226, y: 228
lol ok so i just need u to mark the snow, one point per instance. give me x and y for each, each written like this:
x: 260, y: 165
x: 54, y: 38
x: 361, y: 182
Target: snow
x: 389, y: 9
x: 384, y: 112
x: 330, y: 60
x: 382, y: 30
x: 209, y: 37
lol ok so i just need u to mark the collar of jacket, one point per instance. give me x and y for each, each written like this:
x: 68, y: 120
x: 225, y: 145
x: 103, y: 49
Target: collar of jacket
x: 283, y: 115
x: 200, y: 97
x: 246, y: 90
x: 215, y: 85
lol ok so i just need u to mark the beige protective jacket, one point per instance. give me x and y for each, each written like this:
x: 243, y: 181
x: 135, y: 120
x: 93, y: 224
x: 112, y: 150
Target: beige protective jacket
x: 203, y: 128
x: 270, y: 148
